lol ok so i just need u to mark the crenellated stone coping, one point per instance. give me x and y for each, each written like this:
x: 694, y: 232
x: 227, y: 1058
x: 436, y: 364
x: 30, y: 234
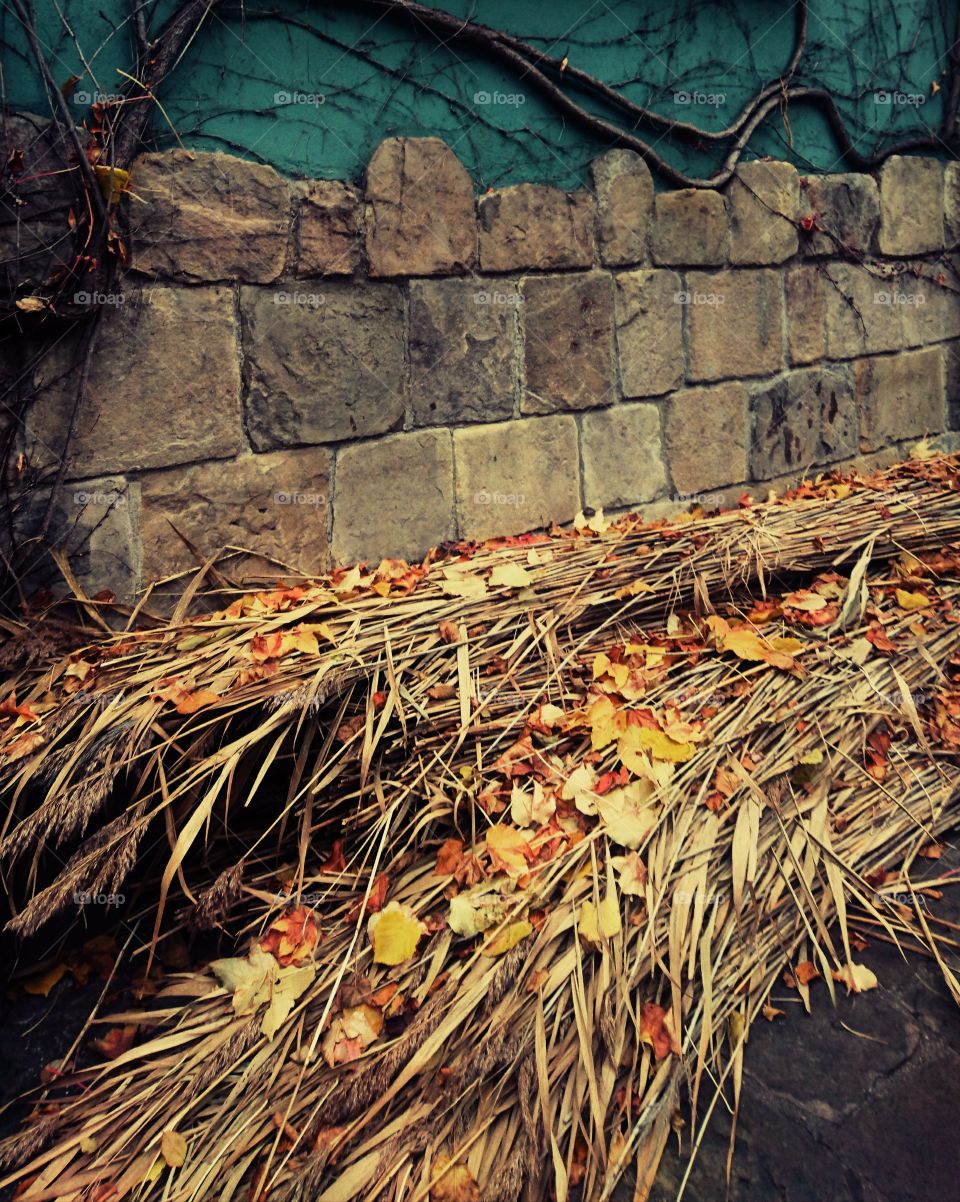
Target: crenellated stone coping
x: 317, y: 371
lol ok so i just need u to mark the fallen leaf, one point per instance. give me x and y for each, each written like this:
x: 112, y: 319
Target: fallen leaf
x: 293, y: 936
x: 116, y: 1041
x: 173, y: 1148
x: 653, y: 1031
x: 449, y: 857
x: 40, y: 986
x: 510, y: 575
x: 508, y: 938
x: 509, y: 850
x: 395, y: 933
x: 477, y: 910
x: 580, y: 788
x: 452, y: 1182
x: 629, y: 813
x: 351, y: 1033
x: 857, y: 977
x: 531, y: 809
x: 907, y: 600
x: 631, y: 874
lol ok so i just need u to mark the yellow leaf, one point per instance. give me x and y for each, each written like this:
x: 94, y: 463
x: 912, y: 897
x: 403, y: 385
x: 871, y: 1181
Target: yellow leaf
x: 508, y: 938
x: 633, y: 590
x: 463, y: 584
x: 659, y: 744
x: 857, y: 977
x: 292, y: 982
x: 189, y: 703
x: 113, y: 182
x: 531, y: 809
x: 510, y: 575
x: 173, y: 1148
x: 476, y: 910
x: 395, y: 933
x: 508, y: 849
x: 606, y: 723
x: 88, y: 1145
x: 602, y: 666
x: 598, y: 923
x: 579, y: 788
x: 41, y: 986
x: 907, y: 600
x: 746, y: 644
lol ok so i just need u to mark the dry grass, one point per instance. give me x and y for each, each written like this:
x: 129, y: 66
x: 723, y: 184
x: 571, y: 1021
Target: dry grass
x: 772, y: 796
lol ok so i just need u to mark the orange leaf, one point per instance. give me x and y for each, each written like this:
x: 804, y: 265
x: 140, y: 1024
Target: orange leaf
x: 116, y: 1041
x: 293, y: 936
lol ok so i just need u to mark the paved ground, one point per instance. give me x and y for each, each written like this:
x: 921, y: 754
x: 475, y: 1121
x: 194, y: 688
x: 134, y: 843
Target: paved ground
x: 858, y: 1104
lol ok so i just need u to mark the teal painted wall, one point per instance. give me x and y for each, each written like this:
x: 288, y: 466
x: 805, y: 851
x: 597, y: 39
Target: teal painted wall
x: 353, y: 79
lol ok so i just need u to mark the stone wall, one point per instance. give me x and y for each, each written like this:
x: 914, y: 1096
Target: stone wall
x: 321, y: 372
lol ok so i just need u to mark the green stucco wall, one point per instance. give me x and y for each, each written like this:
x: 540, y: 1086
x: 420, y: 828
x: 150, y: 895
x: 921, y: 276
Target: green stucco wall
x: 353, y: 78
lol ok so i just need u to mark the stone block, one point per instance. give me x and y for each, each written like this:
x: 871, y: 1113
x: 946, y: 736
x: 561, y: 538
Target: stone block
x: 764, y: 199
x: 622, y: 454
x: 208, y: 217
x: 930, y: 305
x: 951, y: 205
x: 275, y: 505
x: 649, y: 314
x: 624, y: 190
x: 516, y: 476
x: 164, y: 387
x: 324, y: 365
x: 393, y: 497
x: 734, y: 323
x: 911, y: 205
x: 803, y: 418
x: 900, y: 397
x: 844, y: 210
x: 419, y: 213
x: 707, y: 437
x: 690, y: 228
x: 806, y: 314
x: 330, y: 229
x: 464, y: 358
x: 861, y: 314
x: 535, y: 227
x: 95, y: 522
x: 567, y: 325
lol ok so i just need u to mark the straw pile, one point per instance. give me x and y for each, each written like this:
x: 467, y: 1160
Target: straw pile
x: 504, y: 850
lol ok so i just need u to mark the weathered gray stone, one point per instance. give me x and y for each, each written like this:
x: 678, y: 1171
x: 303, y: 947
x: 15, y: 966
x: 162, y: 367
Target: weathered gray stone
x: 951, y: 205
x: 330, y: 229
x: 805, y: 417
x: 735, y: 324
x: 322, y: 366
x: 911, y: 205
x: 649, y: 332
x: 806, y: 315
x: 931, y: 305
x: 707, y: 437
x: 568, y: 342
x: 164, y: 387
x: 624, y: 188
x: 900, y: 396
x: 393, y: 496
x: 951, y: 354
x: 464, y: 361
x: 515, y: 476
x: 690, y: 228
x: 535, y: 227
x: 622, y: 456
x: 38, y: 191
x: 764, y: 200
x: 862, y: 314
x: 95, y: 523
x: 419, y: 213
x: 276, y: 506
x: 844, y: 210
x: 208, y: 217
